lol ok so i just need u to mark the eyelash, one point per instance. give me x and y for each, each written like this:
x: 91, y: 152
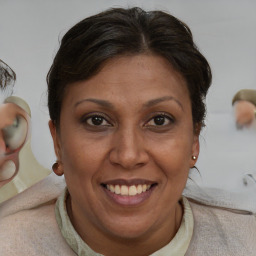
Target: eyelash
x: 161, y: 114
x: 86, y: 118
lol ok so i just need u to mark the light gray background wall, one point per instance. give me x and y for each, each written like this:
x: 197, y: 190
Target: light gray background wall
x: 224, y: 30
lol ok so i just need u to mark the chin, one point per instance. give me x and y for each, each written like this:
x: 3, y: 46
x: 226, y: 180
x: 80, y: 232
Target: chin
x: 129, y: 228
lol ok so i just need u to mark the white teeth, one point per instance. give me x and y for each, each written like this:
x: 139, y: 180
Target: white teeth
x: 125, y: 190
x: 132, y: 190
x: 139, y: 189
x: 117, y: 190
x: 112, y: 188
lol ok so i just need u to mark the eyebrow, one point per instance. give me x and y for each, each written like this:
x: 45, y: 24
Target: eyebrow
x: 102, y: 103
x: 107, y: 104
x: 159, y: 100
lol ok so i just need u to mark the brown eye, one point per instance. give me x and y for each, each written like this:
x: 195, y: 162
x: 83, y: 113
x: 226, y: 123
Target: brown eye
x: 97, y: 121
x: 15, y: 134
x: 160, y: 120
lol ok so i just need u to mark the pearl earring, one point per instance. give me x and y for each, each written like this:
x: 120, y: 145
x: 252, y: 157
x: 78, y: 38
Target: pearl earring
x: 194, y: 157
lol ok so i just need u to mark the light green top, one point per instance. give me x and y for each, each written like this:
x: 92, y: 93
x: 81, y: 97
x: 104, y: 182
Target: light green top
x: 177, y: 247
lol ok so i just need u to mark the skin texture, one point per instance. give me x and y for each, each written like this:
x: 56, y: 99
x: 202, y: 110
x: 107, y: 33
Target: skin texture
x: 244, y: 113
x: 8, y: 113
x: 128, y: 145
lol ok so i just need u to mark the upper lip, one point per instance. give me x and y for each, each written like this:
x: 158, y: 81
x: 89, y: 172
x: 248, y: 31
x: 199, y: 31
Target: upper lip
x: 129, y: 182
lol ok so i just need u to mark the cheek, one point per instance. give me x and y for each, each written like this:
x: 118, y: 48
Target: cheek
x: 81, y: 156
x: 81, y: 165
x: 174, y: 156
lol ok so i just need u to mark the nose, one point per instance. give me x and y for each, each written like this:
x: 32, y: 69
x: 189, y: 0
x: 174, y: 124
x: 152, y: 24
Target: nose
x: 129, y: 149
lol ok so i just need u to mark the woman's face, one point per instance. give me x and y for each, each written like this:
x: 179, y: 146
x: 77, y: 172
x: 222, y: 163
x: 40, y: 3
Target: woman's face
x: 125, y: 143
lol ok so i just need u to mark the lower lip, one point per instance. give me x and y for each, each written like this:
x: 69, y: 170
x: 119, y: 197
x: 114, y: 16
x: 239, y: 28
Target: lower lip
x: 129, y: 200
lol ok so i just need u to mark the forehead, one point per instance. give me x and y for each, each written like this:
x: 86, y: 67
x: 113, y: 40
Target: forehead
x: 131, y: 79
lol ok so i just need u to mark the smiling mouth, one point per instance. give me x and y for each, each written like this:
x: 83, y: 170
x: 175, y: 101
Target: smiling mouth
x: 128, y: 190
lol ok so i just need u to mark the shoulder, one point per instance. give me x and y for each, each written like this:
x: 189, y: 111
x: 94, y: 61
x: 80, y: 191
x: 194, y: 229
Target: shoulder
x: 222, y: 231
x: 41, y: 193
x: 244, y: 200
x: 226, y: 216
x: 27, y: 222
x: 224, y: 221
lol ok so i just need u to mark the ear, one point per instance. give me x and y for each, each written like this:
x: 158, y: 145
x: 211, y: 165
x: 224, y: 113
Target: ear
x: 57, y: 167
x: 195, y: 146
x: 56, y: 140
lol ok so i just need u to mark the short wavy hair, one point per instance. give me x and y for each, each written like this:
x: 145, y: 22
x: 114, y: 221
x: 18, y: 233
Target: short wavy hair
x: 89, y: 44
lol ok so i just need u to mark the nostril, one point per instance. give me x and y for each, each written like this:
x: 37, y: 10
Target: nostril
x: 128, y: 159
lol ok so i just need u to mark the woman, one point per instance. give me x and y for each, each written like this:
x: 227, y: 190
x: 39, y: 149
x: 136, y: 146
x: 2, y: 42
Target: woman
x: 126, y: 101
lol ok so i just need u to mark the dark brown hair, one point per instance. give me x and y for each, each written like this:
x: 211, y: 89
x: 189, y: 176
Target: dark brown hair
x: 89, y: 44
x: 7, y: 76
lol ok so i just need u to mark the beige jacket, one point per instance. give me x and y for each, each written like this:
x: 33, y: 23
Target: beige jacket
x: 28, y: 226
